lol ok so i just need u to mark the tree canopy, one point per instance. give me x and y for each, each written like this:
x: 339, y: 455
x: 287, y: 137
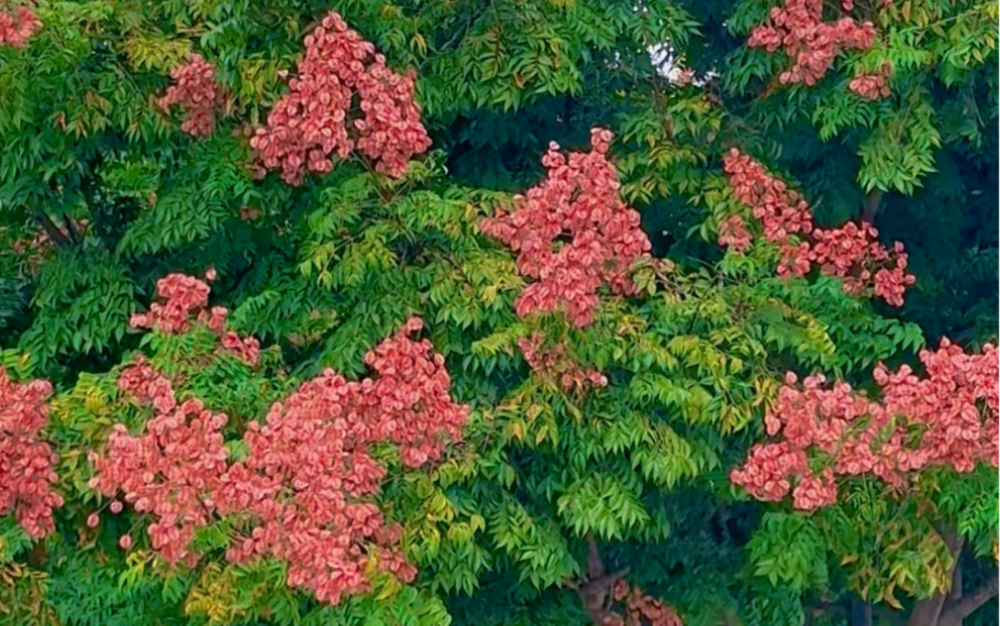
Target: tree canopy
x: 499, y: 312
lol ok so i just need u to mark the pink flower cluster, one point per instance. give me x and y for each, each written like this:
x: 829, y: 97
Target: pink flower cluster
x: 872, y: 86
x: 948, y: 418
x: 852, y: 252
x: 195, y: 90
x: 733, y: 234
x: 798, y: 28
x: 185, y: 296
x: 147, y: 385
x: 310, y: 464
x: 579, y: 201
x: 171, y: 471
x: 414, y: 408
x: 26, y: 463
x: 555, y: 363
x: 17, y: 28
x: 641, y: 609
x: 311, y: 122
x: 308, y: 471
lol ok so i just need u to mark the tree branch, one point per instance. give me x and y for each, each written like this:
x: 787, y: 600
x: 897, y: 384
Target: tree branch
x: 596, y: 591
x: 872, y: 200
x: 595, y: 565
x: 73, y: 229
x: 55, y: 235
x: 957, y: 611
x: 956, y: 582
x: 930, y: 612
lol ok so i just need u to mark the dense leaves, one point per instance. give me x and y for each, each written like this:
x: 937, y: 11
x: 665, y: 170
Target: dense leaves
x: 448, y: 372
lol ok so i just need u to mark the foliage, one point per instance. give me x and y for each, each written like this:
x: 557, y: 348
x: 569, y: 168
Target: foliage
x: 587, y: 478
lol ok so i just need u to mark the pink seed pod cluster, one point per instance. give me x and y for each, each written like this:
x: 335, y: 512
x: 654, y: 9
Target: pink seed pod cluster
x: 316, y: 119
x: 309, y: 466
x: 17, y: 27
x: 954, y: 407
x: 798, y: 29
x: 873, y: 86
x: 851, y: 252
x: 553, y: 362
x: 578, y: 200
x: 170, y: 472
x: 195, y: 89
x: 733, y: 234
x: 147, y: 385
x: 26, y: 462
x: 641, y: 609
x: 303, y: 491
x: 186, y: 297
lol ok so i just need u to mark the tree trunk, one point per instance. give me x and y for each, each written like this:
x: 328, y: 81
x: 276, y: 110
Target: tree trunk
x: 927, y: 612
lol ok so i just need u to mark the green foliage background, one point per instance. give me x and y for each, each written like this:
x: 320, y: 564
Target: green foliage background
x: 327, y: 270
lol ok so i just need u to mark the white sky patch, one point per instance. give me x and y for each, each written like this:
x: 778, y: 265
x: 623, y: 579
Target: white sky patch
x: 669, y: 66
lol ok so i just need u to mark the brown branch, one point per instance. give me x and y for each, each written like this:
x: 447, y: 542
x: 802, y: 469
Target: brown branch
x: 926, y: 612
x: 595, y: 565
x: 872, y: 201
x: 956, y: 582
x: 597, y: 590
x: 955, y: 612
x: 773, y: 85
x: 56, y: 236
x: 930, y: 612
x: 950, y: 538
x: 73, y: 229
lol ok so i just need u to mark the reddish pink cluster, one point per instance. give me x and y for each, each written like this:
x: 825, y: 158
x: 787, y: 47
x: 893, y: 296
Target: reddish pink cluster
x: 641, y: 609
x: 183, y: 297
x: 852, y: 252
x: 579, y: 200
x: 311, y: 122
x: 733, y: 234
x: 307, y: 471
x: 170, y: 472
x: 798, y: 28
x: 415, y: 410
x: 147, y: 385
x: 309, y: 465
x: 555, y: 363
x: 953, y: 411
x: 26, y: 474
x: 872, y: 86
x: 195, y: 90
x: 17, y: 28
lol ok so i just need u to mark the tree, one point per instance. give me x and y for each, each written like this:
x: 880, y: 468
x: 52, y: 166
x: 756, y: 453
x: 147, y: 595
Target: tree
x: 454, y: 372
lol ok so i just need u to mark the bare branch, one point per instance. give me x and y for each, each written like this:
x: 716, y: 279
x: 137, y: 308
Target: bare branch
x: 965, y: 606
x: 956, y: 582
x: 55, y: 235
x: 872, y: 201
